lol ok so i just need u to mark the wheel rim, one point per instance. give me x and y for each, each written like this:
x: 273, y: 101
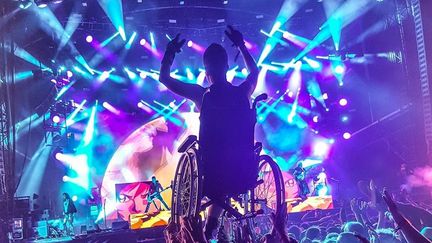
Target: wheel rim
x: 269, y: 195
x: 187, y: 187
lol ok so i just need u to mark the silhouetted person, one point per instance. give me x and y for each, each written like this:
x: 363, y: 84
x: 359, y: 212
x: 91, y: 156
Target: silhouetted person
x: 226, y: 121
x: 69, y: 211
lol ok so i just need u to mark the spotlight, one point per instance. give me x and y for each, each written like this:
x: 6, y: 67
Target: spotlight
x: 65, y: 178
x: 56, y: 119
x: 69, y: 74
x: 344, y: 118
x: 74, y: 198
x: 315, y: 119
x: 143, y: 75
x: 347, y: 135
x: 343, y: 102
x: 244, y: 71
x: 42, y: 5
x: 143, y: 42
x: 89, y: 38
x: 339, y: 69
x: 190, y: 43
x: 325, y: 96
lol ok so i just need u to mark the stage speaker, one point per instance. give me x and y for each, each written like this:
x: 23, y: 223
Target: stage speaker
x: 83, y: 229
x: 120, y: 225
x: 41, y: 229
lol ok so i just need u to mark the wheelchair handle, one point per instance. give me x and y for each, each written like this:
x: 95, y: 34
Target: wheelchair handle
x: 259, y: 98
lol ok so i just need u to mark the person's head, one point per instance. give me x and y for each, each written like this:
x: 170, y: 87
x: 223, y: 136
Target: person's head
x: 216, y: 63
x: 333, y: 229
x: 153, y: 179
x: 65, y: 196
x: 386, y: 235
x: 347, y: 237
x: 331, y: 237
x: 295, y: 230
x: 355, y: 228
x: 313, y: 233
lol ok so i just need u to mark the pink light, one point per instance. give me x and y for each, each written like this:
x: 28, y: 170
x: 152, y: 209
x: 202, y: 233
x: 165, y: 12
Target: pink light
x: 144, y: 107
x: 296, y: 40
x: 111, y: 108
x: 89, y: 38
x: 155, y: 52
x: 69, y: 74
x: 143, y: 42
x: 248, y: 45
x: 346, y: 135
x: 343, y: 102
x: 56, y: 119
x: 195, y: 46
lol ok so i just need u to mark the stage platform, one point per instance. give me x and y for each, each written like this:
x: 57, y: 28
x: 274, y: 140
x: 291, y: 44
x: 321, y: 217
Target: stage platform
x: 152, y: 235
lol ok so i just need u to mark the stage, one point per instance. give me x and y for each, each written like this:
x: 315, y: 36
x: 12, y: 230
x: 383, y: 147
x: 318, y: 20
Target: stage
x: 154, y: 234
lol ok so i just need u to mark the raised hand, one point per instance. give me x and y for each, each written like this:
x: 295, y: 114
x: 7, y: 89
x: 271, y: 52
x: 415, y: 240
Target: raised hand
x: 235, y: 36
x: 175, y: 45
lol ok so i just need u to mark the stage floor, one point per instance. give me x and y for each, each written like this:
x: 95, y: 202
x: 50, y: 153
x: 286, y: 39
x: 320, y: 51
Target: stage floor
x: 148, y: 235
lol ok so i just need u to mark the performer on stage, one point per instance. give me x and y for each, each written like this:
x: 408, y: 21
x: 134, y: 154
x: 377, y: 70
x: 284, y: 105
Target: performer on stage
x: 155, y: 193
x: 69, y: 211
x: 300, y: 176
x: 320, y: 184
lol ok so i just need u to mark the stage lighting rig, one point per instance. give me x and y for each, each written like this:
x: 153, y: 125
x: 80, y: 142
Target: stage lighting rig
x: 45, y: 3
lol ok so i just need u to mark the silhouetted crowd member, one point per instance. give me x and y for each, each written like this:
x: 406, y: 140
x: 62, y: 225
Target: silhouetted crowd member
x: 226, y: 122
x: 377, y: 220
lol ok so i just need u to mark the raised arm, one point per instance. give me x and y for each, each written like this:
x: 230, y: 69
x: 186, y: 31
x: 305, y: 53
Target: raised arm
x: 193, y: 92
x: 237, y: 38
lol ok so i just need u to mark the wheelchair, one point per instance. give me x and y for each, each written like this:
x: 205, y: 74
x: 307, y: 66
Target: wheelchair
x: 252, y: 208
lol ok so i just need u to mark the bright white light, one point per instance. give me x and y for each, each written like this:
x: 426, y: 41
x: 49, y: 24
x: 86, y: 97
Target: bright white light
x: 190, y: 43
x: 143, y: 75
x: 143, y: 42
x: 325, y: 96
x: 69, y: 74
x: 347, y: 135
x: 89, y: 38
x: 315, y: 119
x: 339, y: 69
x: 343, y: 102
x: 56, y: 119
x: 321, y: 149
x: 244, y: 71
x: 74, y: 198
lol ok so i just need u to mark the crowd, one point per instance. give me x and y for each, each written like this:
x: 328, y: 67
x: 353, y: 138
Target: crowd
x: 376, y: 219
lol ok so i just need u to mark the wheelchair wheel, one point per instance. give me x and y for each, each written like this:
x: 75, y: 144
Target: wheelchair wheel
x: 268, y: 196
x: 187, y: 188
